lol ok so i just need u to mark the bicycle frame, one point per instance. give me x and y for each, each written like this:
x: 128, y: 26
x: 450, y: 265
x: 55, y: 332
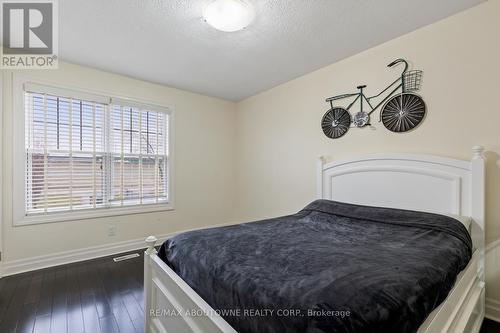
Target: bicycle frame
x: 361, y: 96
x: 383, y: 91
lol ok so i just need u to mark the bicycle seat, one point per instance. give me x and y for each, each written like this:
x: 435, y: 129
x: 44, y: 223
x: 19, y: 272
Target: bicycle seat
x: 361, y: 87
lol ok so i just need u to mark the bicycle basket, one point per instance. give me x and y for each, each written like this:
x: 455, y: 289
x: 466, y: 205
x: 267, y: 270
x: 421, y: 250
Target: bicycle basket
x: 412, y: 80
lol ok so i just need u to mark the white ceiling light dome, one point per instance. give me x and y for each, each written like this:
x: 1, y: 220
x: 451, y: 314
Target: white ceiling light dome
x: 229, y: 15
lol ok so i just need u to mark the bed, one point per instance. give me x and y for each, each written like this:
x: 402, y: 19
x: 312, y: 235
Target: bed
x: 357, y: 268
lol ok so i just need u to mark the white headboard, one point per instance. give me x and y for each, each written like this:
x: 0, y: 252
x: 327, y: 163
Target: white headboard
x: 416, y: 182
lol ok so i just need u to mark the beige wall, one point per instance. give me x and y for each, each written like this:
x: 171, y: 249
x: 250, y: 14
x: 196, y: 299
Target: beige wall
x: 279, y: 134
x: 204, y: 167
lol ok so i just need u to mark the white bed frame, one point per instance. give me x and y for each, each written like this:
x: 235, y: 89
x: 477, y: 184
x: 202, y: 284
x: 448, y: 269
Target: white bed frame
x: 417, y: 182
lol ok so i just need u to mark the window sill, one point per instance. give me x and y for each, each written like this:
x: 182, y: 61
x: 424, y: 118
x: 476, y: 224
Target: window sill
x: 91, y: 214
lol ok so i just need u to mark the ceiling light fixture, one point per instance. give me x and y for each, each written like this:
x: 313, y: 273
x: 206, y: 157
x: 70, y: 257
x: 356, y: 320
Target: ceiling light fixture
x: 229, y: 15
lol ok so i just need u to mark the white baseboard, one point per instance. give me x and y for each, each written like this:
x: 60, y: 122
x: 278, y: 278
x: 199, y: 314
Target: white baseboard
x: 492, y: 245
x: 492, y: 309
x: 61, y: 258
x: 67, y: 257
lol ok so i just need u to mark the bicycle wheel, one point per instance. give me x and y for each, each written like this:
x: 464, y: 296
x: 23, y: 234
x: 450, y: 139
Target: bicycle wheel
x: 403, y: 112
x: 336, y: 122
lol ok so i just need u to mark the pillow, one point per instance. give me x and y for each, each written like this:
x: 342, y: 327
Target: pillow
x: 465, y: 220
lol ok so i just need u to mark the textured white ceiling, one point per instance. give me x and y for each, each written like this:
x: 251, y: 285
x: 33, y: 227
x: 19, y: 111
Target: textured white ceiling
x: 167, y: 41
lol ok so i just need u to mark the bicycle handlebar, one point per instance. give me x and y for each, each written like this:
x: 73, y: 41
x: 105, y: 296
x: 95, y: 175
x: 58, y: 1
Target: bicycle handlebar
x: 397, y: 61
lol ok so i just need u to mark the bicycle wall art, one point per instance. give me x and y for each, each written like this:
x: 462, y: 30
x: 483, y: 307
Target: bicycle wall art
x: 402, y: 109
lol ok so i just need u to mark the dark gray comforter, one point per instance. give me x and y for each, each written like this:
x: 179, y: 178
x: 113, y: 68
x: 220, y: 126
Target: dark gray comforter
x: 332, y: 267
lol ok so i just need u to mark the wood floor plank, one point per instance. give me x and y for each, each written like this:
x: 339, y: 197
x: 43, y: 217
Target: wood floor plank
x: 27, y: 318
x: 35, y: 288
x: 139, y: 297
x: 75, y: 317
x: 8, y: 291
x: 490, y: 326
x: 10, y: 321
x: 74, y: 304
x: 84, y: 283
x: 109, y: 324
x: 111, y: 285
x: 58, y: 322
x: 101, y: 299
x: 125, y: 324
x: 90, y: 314
x: 111, y: 295
x: 42, y: 324
x: 3, y: 308
x: 139, y: 326
x: 46, y: 293
x: 134, y: 310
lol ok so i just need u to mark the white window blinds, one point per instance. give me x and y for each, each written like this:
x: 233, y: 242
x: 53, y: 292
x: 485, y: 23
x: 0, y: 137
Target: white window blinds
x: 88, y: 154
x: 138, y: 155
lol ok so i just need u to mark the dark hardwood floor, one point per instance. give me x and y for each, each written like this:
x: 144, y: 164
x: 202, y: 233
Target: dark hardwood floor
x: 92, y: 296
x: 490, y: 326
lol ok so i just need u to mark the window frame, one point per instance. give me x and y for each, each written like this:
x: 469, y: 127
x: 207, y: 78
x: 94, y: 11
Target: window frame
x: 20, y: 217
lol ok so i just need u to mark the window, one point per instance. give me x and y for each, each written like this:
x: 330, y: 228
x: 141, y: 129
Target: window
x: 138, y: 156
x: 85, y: 152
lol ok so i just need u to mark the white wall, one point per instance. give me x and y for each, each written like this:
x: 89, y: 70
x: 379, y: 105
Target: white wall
x: 203, y: 170
x: 279, y: 134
